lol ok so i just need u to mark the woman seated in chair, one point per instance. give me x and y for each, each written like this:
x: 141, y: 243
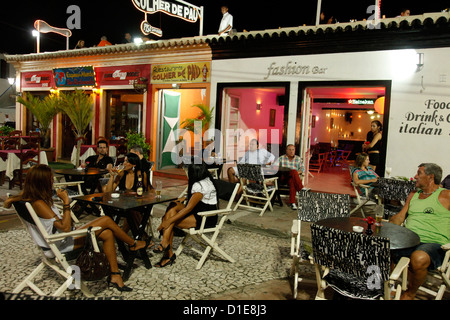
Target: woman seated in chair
x: 38, y: 190
x: 201, y: 196
x: 127, y: 179
x: 363, y: 174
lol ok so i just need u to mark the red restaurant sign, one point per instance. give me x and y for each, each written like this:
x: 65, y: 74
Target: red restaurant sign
x: 121, y: 75
x: 39, y: 79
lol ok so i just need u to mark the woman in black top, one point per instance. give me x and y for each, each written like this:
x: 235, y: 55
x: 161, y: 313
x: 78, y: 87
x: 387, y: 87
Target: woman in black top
x: 127, y: 179
x: 374, y: 147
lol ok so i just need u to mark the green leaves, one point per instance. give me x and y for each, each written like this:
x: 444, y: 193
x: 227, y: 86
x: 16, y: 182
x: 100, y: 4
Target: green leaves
x: 43, y: 110
x: 205, y: 117
x: 78, y: 107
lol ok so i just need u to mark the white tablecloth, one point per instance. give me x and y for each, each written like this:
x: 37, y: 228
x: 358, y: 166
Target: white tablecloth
x: 112, y: 151
x: 13, y: 163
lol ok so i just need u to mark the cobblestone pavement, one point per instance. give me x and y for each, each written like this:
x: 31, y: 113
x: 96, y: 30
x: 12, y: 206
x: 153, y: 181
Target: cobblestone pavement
x: 261, y: 270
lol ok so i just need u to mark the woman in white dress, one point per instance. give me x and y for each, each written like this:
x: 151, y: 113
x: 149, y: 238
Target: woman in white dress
x: 38, y: 190
x: 201, y: 196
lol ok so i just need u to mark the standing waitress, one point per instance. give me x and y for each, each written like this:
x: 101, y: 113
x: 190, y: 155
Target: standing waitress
x: 374, y: 147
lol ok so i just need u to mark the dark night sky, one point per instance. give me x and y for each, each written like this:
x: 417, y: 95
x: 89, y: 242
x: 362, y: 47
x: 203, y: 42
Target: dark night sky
x: 114, y: 18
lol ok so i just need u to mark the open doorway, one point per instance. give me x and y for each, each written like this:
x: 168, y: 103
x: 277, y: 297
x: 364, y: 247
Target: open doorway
x: 175, y: 106
x: 338, y: 116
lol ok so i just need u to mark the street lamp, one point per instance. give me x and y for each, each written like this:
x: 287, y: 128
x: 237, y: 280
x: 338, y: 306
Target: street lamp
x: 36, y: 34
x: 11, y: 81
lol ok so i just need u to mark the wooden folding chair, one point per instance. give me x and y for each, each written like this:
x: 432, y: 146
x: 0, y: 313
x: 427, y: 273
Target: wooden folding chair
x: 200, y: 235
x: 312, y: 207
x: 359, y: 271
x: 29, y: 155
x: 69, y: 186
x: 367, y: 198
x: 316, y: 165
x: 255, y: 187
x: 440, y: 277
x: 52, y: 257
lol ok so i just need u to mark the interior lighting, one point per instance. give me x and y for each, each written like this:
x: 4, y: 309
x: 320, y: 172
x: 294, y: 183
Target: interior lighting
x: 258, y: 106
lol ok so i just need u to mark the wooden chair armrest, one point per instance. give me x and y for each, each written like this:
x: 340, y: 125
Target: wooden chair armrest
x: 213, y: 212
x: 63, y: 184
x: 398, y: 270
x: 75, y: 233
x: 446, y: 247
x: 270, y: 179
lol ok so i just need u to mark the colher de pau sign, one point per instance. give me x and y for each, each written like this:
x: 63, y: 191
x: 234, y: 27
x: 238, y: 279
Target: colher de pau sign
x: 181, y: 10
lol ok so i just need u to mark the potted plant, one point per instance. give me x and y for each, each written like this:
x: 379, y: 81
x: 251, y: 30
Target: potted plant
x: 205, y: 117
x: 6, y: 130
x: 134, y: 138
x: 77, y: 105
x: 44, y: 111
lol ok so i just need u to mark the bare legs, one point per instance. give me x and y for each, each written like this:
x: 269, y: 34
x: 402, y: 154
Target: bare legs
x: 418, y: 270
x: 183, y: 223
x: 110, y: 231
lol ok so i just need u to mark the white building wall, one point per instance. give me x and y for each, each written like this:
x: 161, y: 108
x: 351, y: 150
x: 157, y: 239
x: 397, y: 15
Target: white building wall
x: 411, y: 93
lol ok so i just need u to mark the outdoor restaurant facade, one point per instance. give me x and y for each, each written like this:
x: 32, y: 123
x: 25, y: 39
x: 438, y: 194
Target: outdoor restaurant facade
x: 304, y: 83
x: 130, y: 85
x: 269, y: 85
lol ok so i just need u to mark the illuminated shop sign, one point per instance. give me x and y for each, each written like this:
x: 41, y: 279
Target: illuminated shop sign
x: 40, y: 79
x: 74, y: 77
x: 181, y: 73
x: 361, y: 101
x: 182, y: 10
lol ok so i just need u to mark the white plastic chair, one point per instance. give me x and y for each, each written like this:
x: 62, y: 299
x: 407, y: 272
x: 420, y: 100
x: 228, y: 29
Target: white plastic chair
x: 442, y: 274
x: 52, y: 258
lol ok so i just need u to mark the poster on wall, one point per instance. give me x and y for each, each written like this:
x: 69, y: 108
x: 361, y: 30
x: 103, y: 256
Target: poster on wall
x: 74, y: 77
x: 197, y: 72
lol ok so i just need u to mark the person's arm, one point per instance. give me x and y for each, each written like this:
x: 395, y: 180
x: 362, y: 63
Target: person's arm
x: 375, y: 139
x: 400, y: 217
x: 359, y: 181
x: 114, y: 180
x: 45, y: 212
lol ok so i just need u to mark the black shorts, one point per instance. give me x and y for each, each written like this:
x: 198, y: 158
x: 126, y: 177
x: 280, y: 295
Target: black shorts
x: 374, y: 159
x: 202, y: 207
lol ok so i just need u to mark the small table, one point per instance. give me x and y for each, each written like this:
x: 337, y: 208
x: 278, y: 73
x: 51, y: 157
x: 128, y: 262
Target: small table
x: 400, y: 237
x: 120, y: 207
x: 82, y: 175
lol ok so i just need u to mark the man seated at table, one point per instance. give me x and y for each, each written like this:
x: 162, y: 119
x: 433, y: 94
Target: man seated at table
x: 101, y: 161
x: 428, y: 214
x: 145, y: 165
x: 292, y: 161
x: 254, y: 155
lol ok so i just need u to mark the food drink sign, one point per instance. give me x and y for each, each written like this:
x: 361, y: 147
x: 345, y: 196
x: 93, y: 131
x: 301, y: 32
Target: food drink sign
x: 183, y: 11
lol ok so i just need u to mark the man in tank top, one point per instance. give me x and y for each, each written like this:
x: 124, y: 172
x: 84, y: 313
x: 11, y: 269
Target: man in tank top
x: 427, y: 213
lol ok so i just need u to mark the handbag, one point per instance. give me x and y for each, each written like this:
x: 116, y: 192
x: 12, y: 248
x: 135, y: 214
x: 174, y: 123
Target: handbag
x: 93, y: 265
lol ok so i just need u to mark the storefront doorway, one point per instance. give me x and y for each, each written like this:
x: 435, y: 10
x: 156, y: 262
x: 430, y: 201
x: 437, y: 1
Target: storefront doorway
x: 337, y: 117
x: 175, y: 106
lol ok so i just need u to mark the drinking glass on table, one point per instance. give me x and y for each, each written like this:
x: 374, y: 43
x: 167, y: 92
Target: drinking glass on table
x: 379, y: 215
x: 83, y: 164
x: 158, y: 188
x: 388, y: 172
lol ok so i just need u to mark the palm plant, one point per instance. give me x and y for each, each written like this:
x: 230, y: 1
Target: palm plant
x: 44, y: 111
x: 77, y: 105
x: 205, y: 117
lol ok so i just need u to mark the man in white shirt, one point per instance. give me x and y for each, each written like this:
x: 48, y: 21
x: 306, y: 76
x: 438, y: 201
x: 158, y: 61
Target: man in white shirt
x: 226, y: 24
x: 252, y: 156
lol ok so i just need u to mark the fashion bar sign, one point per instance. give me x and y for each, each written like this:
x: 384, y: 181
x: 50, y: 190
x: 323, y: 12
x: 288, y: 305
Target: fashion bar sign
x: 182, y: 11
x: 292, y: 68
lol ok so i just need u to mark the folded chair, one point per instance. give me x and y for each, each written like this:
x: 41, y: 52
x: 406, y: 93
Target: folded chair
x: 355, y: 265
x: 396, y: 190
x: 52, y: 258
x: 367, y: 199
x: 440, y: 277
x: 255, y: 188
x: 200, y: 235
x: 312, y: 207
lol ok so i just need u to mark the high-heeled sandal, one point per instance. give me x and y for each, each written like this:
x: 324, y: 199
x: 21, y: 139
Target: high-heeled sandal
x: 147, y: 244
x: 124, y: 288
x: 170, y: 260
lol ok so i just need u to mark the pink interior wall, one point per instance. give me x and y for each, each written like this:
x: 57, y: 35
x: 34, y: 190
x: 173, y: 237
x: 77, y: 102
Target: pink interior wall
x: 253, y: 119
